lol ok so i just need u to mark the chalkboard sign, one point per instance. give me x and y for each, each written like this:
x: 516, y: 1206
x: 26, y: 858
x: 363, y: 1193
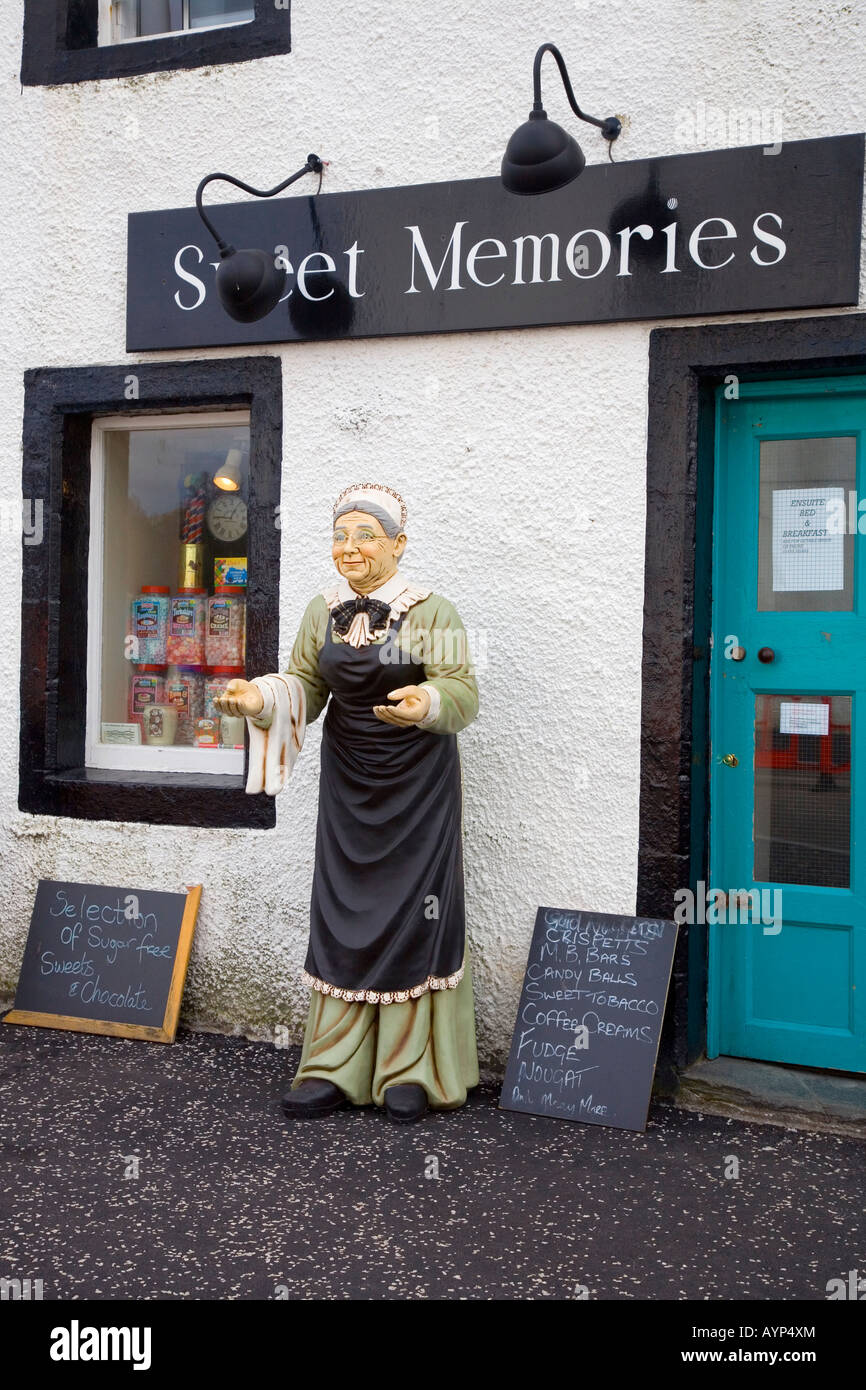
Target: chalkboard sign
x: 588, y: 1027
x: 106, y: 960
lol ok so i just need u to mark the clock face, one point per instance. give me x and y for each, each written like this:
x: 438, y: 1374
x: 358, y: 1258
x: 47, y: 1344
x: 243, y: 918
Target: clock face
x: 227, y: 518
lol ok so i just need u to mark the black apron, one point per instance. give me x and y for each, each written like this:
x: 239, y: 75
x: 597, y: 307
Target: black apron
x: 387, y: 910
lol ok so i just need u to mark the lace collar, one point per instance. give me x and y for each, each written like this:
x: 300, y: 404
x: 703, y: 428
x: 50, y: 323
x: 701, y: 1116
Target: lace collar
x: 397, y: 593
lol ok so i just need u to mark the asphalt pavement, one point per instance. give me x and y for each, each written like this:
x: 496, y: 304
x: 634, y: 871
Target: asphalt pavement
x: 131, y: 1170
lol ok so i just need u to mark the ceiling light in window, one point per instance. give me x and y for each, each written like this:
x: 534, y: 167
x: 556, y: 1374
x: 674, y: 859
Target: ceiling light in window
x: 228, y: 475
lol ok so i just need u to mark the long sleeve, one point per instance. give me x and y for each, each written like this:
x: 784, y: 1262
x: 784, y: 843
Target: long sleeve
x: 304, y: 664
x: 304, y: 661
x: 444, y: 651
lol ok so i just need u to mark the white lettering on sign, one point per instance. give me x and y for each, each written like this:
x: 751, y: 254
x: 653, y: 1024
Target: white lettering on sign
x: 530, y: 259
x: 768, y: 239
x: 537, y: 247
x: 189, y: 278
x: 306, y: 268
x: 699, y: 235
x: 590, y: 242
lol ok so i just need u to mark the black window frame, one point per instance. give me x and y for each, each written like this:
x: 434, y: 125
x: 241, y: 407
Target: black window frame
x: 60, y: 404
x: 61, y: 44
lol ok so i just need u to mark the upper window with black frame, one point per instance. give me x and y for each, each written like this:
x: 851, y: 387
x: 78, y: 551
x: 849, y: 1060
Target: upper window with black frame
x: 85, y: 40
x: 122, y: 20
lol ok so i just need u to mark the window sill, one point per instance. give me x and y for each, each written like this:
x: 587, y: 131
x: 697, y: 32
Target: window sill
x: 118, y: 776
x: 211, y: 801
x: 185, y: 762
x: 175, y: 33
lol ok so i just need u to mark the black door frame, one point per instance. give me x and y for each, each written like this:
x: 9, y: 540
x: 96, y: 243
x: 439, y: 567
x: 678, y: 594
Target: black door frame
x: 685, y: 367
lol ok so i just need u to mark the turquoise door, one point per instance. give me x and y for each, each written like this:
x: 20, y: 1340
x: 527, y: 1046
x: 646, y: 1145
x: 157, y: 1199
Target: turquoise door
x: 787, y: 888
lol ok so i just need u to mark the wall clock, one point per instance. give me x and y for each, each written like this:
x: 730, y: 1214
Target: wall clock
x: 227, y: 518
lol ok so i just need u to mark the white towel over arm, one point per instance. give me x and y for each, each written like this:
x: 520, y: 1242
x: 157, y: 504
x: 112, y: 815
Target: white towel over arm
x: 277, y: 734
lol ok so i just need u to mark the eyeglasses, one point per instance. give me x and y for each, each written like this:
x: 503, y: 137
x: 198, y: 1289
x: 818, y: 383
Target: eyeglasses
x: 362, y: 536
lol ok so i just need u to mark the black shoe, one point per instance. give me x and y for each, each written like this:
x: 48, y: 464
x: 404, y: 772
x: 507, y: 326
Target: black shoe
x: 405, y: 1103
x: 313, y: 1097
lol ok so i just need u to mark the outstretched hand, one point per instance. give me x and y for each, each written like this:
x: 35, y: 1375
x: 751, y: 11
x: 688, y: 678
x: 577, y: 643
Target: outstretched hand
x: 240, y: 697
x: 414, y: 703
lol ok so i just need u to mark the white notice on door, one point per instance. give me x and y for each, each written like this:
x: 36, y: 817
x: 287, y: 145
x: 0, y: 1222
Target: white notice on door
x: 808, y: 539
x: 800, y: 718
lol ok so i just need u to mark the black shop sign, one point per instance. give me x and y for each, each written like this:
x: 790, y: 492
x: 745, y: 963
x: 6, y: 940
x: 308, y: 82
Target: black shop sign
x: 726, y: 231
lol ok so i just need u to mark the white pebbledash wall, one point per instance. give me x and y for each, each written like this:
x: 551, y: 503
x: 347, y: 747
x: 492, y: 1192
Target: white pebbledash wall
x: 521, y: 454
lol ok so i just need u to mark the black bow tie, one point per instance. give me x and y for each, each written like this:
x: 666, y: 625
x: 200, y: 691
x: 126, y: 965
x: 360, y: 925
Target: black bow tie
x: 343, y: 613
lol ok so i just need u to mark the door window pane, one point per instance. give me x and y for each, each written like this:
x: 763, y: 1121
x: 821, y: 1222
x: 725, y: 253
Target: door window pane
x: 805, y: 552
x: 803, y: 789
x: 173, y: 589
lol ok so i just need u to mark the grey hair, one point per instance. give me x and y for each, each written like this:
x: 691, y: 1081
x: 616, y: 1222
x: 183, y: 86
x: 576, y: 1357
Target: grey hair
x: 387, y: 522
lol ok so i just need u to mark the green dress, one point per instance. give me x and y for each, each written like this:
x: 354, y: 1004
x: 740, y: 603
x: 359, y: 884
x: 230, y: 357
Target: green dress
x: 365, y: 1039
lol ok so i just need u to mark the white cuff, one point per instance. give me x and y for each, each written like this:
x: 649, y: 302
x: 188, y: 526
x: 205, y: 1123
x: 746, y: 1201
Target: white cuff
x: 263, y: 720
x: 435, y: 705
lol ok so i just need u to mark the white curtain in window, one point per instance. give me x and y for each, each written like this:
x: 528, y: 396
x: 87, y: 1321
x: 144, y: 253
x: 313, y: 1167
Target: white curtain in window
x: 159, y: 16
x: 202, y: 12
x: 124, y: 20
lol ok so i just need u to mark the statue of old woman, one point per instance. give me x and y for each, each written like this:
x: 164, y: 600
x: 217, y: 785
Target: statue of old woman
x: 391, y: 1019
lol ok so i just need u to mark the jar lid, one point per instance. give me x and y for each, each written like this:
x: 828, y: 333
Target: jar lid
x: 189, y: 670
x: 230, y: 589
x: 147, y: 667
x: 186, y: 592
x: 155, y: 589
x: 226, y: 670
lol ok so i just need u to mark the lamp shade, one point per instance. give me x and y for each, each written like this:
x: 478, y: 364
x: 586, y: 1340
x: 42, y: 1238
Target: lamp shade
x: 249, y: 284
x: 228, y: 475
x: 540, y: 157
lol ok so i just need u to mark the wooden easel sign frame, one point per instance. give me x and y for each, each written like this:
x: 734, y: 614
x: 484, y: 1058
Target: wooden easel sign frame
x: 122, y: 950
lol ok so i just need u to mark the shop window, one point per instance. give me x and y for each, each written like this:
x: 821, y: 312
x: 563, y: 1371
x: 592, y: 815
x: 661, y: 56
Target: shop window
x: 151, y: 580
x: 83, y: 40
x: 167, y: 585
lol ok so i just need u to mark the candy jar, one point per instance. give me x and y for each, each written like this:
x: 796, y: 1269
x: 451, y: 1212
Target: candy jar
x: 186, y: 628
x: 215, y: 683
x: 160, y: 725
x: 149, y: 626
x: 232, y: 731
x: 226, y: 626
x: 207, y: 733
x: 146, y: 687
x: 184, y: 689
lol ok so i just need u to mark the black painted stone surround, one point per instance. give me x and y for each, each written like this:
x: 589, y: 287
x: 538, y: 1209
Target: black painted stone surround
x: 59, y: 406
x: 60, y: 44
x: 686, y: 364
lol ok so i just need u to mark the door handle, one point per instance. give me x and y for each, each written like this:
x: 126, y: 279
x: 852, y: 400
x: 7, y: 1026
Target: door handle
x: 730, y: 760
x: 766, y: 654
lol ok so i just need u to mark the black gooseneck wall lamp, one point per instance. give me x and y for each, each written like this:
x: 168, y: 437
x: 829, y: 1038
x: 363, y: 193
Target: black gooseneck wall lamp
x: 541, y: 156
x: 249, y: 282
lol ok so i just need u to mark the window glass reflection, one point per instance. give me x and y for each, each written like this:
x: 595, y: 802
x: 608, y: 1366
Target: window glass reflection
x: 803, y: 789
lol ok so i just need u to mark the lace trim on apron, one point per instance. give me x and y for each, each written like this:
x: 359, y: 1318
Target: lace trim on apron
x: 375, y: 996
